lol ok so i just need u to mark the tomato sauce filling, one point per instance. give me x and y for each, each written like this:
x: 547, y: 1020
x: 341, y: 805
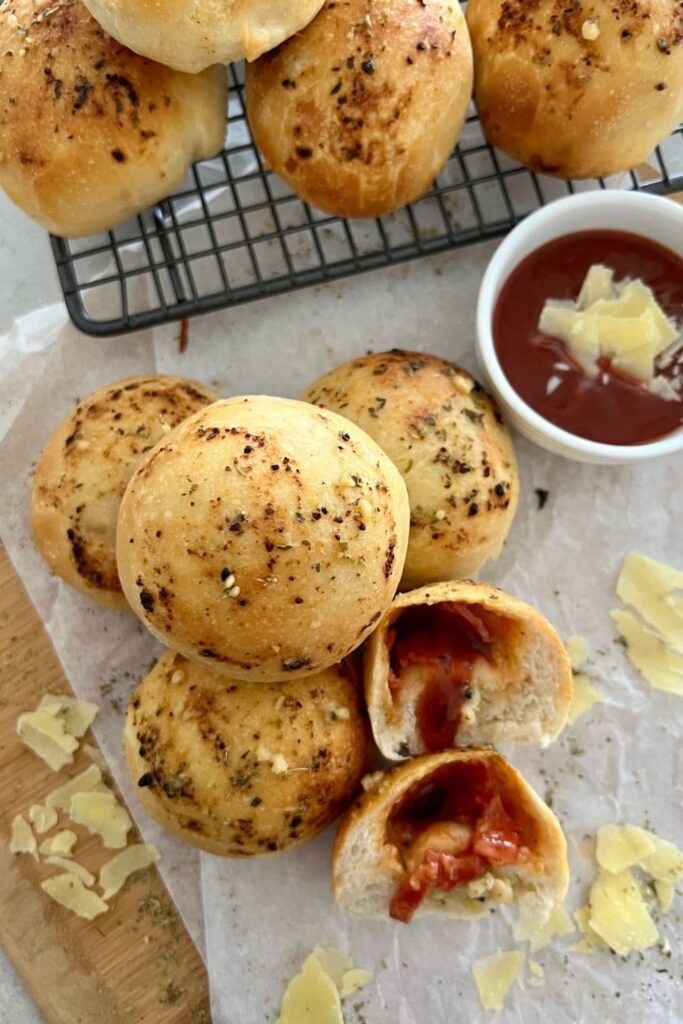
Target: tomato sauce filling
x: 450, y: 829
x: 444, y: 641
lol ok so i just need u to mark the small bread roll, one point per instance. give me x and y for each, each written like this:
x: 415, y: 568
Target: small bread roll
x: 90, y: 133
x: 445, y: 435
x: 190, y: 37
x: 361, y: 111
x: 263, y: 537
x: 238, y: 768
x: 85, y: 467
x: 453, y: 833
x: 578, y: 90
x: 464, y: 664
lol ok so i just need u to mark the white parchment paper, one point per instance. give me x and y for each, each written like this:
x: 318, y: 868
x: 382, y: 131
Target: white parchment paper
x: 622, y: 760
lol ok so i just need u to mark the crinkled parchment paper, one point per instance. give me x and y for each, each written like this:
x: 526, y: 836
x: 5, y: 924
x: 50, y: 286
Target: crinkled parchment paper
x: 621, y: 760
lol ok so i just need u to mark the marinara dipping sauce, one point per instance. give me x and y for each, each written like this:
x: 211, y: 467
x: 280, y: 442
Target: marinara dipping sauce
x: 613, y: 408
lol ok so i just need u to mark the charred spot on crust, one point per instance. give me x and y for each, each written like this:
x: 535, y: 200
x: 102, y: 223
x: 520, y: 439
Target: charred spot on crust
x: 390, y: 558
x: 88, y: 566
x: 147, y: 600
x: 146, y: 780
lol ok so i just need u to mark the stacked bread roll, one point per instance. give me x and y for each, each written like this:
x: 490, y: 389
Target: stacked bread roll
x: 357, y: 105
x: 263, y: 540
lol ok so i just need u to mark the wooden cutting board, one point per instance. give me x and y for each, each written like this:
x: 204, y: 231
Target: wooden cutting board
x: 136, y: 964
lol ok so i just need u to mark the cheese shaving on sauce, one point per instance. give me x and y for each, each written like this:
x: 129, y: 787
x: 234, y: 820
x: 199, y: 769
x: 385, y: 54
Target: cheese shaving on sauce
x: 314, y: 995
x: 69, y: 891
x: 494, y: 976
x: 619, y: 320
x: 23, y: 840
x: 116, y: 872
x: 583, y: 697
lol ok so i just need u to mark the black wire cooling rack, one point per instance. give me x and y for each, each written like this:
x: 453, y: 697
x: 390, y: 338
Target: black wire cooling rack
x: 236, y: 232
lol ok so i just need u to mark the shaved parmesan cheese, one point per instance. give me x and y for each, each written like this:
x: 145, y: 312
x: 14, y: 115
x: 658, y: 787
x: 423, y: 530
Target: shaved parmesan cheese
x: 23, y: 840
x: 620, y: 320
x: 650, y: 587
x: 665, y: 893
x: 354, y: 980
x: 577, y: 649
x: 665, y: 863
x: 43, y: 818
x: 333, y: 962
x: 46, y: 737
x: 69, y: 890
x: 527, y: 928
x: 88, y: 781
x: 60, y: 844
x: 619, y: 914
x: 103, y: 815
x: 311, y: 997
x: 73, y: 867
x: 583, y: 697
x: 536, y: 974
x: 659, y: 664
x: 621, y: 846
x: 116, y: 872
x: 76, y: 715
x: 590, y: 941
x: 494, y: 975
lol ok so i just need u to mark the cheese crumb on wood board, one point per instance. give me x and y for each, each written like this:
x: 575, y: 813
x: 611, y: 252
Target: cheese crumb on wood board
x: 23, y: 839
x: 42, y: 817
x: 89, y: 780
x: 69, y: 891
x: 73, y: 867
x: 75, y: 715
x: 494, y: 976
x: 103, y: 815
x: 46, y: 736
x: 60, y: 844
x: 116, y: 872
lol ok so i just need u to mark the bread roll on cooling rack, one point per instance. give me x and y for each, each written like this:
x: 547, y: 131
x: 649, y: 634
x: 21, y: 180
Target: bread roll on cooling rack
x: 90, y: 133
x: 360, y: 111
x: 264, y: 537
x: 85, y: 467
x: 445, y: 435
x: 453, y: 833
x: 238, y: 768
x: 192, y: 36
x: 460, y: 664
x: 578, y: 90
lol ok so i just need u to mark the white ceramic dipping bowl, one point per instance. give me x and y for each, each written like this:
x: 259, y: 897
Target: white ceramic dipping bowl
x: 635, y: 212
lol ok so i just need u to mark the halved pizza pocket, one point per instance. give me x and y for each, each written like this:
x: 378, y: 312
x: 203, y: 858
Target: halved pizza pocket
x: 451, y: 833
x: 459, y: 664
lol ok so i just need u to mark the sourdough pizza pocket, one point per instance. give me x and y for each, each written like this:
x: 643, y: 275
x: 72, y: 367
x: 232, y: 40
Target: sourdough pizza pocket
x: 464, y: 664
x: 452, y: 833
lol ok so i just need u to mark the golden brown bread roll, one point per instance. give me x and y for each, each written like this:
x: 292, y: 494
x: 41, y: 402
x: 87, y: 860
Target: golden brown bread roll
x: 360, y: 111
x: 238, y: 768
x: 85, y: 467
x: 263, y: 537
x: 90, y: 133
x: 190, y: 37
x: 446, y: 437
x: 578, y: 90
x: 453, y: 833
